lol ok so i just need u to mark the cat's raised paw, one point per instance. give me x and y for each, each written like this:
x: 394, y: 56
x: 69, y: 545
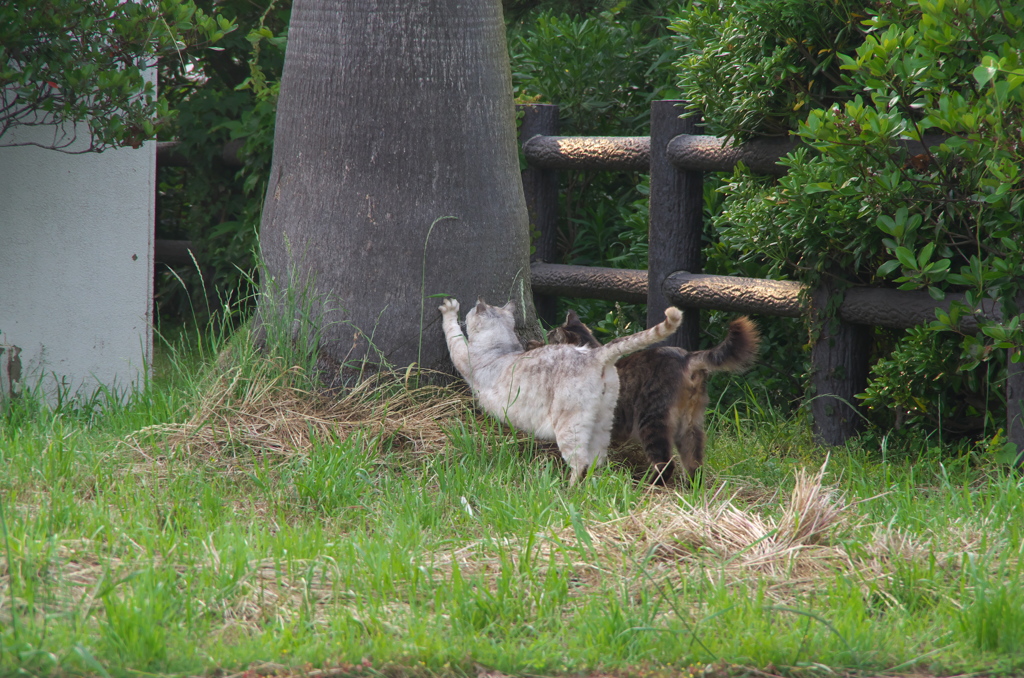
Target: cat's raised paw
x: 673, y: 315
x: 449, y: 306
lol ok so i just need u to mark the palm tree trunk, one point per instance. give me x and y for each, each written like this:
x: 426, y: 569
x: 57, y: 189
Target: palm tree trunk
x: 393, y: 115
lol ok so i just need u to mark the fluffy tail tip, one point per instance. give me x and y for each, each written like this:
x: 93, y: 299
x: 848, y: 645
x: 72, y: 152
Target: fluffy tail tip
x: 740, y: 348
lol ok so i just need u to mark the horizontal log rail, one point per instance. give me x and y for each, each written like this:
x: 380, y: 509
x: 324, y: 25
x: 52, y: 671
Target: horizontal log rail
x: 169, y: 155
x: 629, y: 154
x: 875, y: 306
x: 880, y: 307
x: 736, y: 294
x: 698, y: 152
x: 687, y: 152
x: 703, y: 153
x: 173, y: 252
x: 589, y: 282
x: 901, y: 309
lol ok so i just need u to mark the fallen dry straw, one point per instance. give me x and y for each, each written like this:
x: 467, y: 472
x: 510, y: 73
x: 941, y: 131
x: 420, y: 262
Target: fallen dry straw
x: 267, y: 412
x: 794, y: 545
x: 794, y: 549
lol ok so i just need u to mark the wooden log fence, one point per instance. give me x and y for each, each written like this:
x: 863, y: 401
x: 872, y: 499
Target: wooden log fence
x: 677, y: 158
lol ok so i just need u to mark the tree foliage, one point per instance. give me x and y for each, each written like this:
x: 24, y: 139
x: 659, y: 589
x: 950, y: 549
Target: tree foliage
x: 755, y: 66
x: 75, y: 63
x: 856, y: 208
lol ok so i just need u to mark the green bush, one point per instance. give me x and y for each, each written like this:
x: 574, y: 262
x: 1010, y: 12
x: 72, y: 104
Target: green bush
x: 921, y: 386
x: 602, y: 71
x: 857, y: 209
x: 754, y: 66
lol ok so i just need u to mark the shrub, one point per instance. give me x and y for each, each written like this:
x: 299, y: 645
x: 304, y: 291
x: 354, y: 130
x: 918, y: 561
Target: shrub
x: 856, y: 209
x: 753, y: 66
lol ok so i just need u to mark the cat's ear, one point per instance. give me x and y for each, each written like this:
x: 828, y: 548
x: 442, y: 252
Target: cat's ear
x: 481, y: 305
x: 510, y: 307
x: 571, y: 317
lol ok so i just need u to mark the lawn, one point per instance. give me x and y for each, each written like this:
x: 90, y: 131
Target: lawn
x: 229, y: 518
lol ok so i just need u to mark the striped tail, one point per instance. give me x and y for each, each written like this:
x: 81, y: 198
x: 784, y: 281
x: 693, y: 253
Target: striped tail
x: 736, y: 352
x: 614, y: 350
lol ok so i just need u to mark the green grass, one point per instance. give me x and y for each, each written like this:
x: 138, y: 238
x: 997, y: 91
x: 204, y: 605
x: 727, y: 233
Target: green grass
x: 132, y: 544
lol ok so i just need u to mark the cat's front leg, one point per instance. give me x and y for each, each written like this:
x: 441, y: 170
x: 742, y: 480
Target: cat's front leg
x: 578, y: 466
x: 458, y: 347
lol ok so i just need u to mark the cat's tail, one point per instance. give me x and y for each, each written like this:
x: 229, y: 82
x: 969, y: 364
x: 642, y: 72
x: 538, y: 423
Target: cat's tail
x: 736, y: 352
x: 614, y: 350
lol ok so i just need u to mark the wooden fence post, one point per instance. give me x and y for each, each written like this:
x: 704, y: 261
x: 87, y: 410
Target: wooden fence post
x: 541, y: 189
x: 839, y: 370
x: 676, y: 220
x: 1015, y: 397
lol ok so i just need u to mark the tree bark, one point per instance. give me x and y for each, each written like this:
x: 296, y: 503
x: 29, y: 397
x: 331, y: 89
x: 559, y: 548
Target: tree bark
x: 395, y: 175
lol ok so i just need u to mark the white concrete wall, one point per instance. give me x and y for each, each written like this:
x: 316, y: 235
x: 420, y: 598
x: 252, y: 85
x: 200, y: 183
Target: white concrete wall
x: 76, y: 264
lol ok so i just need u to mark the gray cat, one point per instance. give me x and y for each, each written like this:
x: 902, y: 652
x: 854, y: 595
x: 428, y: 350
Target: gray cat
x: 557, y: 392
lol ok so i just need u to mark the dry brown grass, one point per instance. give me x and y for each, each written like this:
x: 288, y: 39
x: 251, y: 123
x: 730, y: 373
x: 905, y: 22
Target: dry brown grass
x: 267, y: 413
x: 797, y: 549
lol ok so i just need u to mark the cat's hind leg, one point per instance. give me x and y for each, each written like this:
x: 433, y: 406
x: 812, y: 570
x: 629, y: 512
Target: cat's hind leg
x: 656, y: 437
x: 691, y: 441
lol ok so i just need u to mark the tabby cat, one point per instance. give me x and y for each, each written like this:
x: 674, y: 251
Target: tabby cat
x: 557, y: 392
x: 663, y: 391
